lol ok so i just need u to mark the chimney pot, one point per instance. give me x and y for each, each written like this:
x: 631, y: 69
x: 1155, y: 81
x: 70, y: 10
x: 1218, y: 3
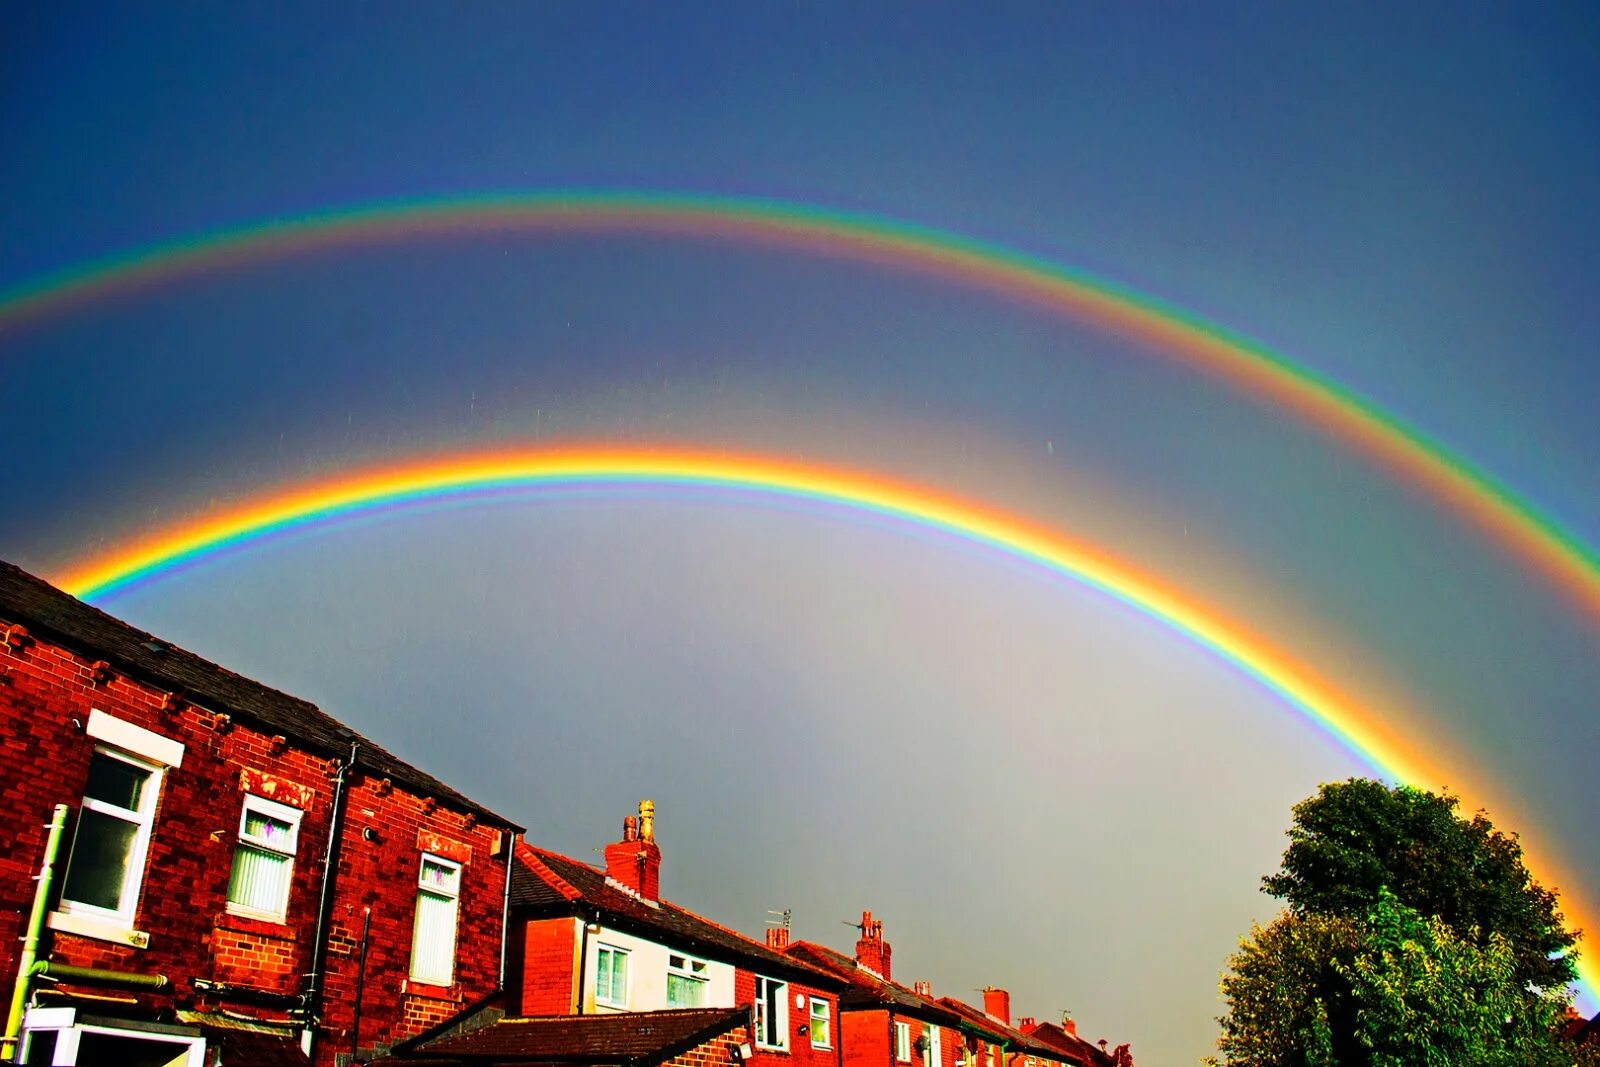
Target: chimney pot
x: 635, y: 861
x: 630, y: 828
x: 1069, y: 1025
x: 777, y: 938
x: 922, y: 989
x: 647, y: 820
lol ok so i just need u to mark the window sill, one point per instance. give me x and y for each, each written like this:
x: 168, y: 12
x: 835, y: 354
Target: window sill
x: 240, y: 923
x: 100, y: 929
x: 775, y: 1050
x: 416, y: 988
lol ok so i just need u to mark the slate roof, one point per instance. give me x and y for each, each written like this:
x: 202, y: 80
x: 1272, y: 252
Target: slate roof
x: 868, y: 991
x: 547, y: 883
x: 628, y: 1039
x: 63, y: 619
x: 1015, y: 1039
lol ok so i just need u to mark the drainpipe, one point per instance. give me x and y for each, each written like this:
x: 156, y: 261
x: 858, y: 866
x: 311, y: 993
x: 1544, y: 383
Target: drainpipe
x: 583, y: 954
x: 361, y: 982
x: 505, y: 905
x: 30, y: 942
x: 330, y: 874
x: 98, y: 976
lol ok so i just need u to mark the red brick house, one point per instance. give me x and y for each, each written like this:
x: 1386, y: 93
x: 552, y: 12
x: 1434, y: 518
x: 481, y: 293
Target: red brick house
x: 232, y: 866
x: 1065, y: 1038
x: 588, y: 941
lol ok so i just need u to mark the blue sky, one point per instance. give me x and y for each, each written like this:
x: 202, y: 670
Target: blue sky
x: 1400, y: 200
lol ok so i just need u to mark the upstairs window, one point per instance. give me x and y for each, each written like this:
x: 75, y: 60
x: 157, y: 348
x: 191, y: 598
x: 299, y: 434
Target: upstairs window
x: 611, y: 977
x: 106, y: 868
x: 772, y: 1013
x: 433, y: 937
x: 263, y: 860
x: 902, y: 1042
x: 686, y: 982
x: 935, y: 1053
x: 821, y: 1023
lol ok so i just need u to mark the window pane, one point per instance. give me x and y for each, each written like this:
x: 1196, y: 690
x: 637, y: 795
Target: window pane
x: 266, y: 830
x: 260, y: 880
x: 99, y: 865
x: 440, y: 877
x: 683, y: 992
x: 433, y: 945
x: 116, y: 782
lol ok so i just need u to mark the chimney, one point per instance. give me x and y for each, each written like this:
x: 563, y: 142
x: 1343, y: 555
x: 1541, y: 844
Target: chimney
x: 997, y: 1004
x: 923, y: 989
x: 872, y: 951
x: 1068, y: 1025
x: 1027, y: 1024
x: 635, y: 861
x: 778, y: 937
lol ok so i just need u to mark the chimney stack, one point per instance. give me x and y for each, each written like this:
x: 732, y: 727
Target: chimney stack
x: 1027, y: 1024
x: 997, y: 1004
x: 872, y: 951
x: 1068, y: 1025
x: 635, y: 861
x: 778, y: 937
x: 923, y: 989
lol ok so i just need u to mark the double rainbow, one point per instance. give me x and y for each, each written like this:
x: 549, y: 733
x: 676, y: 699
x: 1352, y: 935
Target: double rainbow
x: 1569, y: 566
x: 1363, y: 730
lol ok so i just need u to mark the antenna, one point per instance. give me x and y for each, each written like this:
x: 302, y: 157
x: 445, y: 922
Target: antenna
x: 787, y: 913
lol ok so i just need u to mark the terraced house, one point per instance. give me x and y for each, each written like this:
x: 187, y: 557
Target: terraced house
x: 228, y: 875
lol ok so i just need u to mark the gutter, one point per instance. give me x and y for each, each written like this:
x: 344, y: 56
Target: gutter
x: 35, y: 928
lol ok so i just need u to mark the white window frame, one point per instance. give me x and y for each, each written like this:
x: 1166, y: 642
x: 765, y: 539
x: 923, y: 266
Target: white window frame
x: 689, y: 968
x: 902, y: 1042
x: 826, y: 1018
x: 779, y: 994
x: 144, y: 818
x: 934, y: 1054
x: 283, y: 813
x: 451, y: 893
x: 627, y: 976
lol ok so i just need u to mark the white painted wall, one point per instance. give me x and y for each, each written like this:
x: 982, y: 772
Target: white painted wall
x: 647, y: 974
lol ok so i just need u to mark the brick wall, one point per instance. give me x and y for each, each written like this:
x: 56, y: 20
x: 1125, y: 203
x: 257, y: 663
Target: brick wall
x: 548, y: 970
x: 46, y: 695
x: 718, y: 1052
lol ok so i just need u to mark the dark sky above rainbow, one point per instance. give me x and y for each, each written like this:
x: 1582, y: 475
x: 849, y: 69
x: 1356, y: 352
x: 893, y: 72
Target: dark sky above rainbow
x: 254, y: 253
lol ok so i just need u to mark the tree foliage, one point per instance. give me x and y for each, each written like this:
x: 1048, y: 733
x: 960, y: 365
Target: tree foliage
x: 1356, y: 838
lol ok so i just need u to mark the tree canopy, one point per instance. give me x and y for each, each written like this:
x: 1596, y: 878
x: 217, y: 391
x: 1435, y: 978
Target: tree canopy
x: 1358, y: 837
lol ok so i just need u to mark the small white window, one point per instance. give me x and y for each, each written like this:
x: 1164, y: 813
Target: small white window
x: 686, y: 981
x: 106, y: 867
x: 821, y: 1023
x: 433, y: 938
x: 902, y: 1042
x: 935, y: 1053
x: 611, y: 977
x: 263, y: 860
x: 772, y: 1013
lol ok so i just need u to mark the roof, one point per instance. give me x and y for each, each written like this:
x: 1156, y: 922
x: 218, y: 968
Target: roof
x: 1070, y: 1044
x: 248, y: 1044
x: 547, y: 883
x: 1014, y: 1039
x: 629, y: 1039
x: 869, y: 991
x: 50, y: 613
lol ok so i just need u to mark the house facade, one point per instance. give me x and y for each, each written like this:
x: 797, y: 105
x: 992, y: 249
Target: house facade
x: 595, y: 942
x: 233, y: 875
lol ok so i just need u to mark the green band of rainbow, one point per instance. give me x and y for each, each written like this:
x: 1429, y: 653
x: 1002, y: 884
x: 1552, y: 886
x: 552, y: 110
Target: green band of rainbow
x: 1569, y: 565
x: 1366, y: 731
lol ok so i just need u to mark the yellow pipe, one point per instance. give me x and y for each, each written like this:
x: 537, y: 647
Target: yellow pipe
x: 30, y: 943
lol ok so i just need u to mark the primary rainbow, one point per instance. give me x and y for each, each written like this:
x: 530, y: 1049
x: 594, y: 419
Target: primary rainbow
x: 1569, y: 565
x: 1362, y: 730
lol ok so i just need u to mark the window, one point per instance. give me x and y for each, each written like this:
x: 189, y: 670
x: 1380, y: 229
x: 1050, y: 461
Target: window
x: 611, y: 977
x: 263, y: 860
x: 686, y: 982
x: 433, y: 938
x: 902, y: 1042
x: 821, y: 1024
x: 106, y: 868
x: 772, y: 1013
x: 935, y: 1054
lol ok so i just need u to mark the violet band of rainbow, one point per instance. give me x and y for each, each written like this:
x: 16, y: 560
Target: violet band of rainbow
x: 1536, y: 541
x: 1364, y: 731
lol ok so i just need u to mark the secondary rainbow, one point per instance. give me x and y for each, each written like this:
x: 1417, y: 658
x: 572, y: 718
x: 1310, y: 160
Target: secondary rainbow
x: 1363, y: 730
x: 1571, y: 567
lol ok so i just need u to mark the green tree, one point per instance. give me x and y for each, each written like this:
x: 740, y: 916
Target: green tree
x: 1424, y: 997
x: 1356, y: 838
x: 1396, y: 989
